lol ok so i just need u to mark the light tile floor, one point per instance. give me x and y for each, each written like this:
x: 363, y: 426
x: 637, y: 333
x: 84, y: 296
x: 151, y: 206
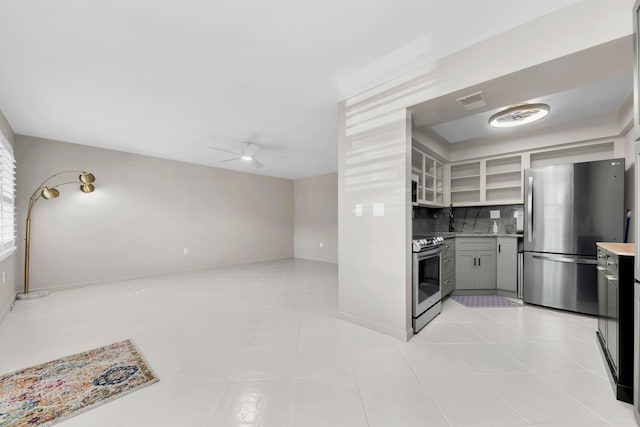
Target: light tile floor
x: 260, y: 345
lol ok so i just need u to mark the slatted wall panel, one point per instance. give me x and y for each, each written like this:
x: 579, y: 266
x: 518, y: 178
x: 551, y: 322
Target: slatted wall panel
x: 374, y: 147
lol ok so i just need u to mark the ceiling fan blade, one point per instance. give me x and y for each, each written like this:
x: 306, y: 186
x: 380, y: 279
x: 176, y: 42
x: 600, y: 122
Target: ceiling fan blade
x: 224, y: 151
x: 256, y: 164
x: 228, y: 160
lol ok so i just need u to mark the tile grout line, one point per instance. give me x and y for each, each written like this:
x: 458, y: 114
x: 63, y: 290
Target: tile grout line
x: 572, y: 398
x: 364, y: 407
x: 527, y: 421
x: 215, y: 409
x: 417, y: 378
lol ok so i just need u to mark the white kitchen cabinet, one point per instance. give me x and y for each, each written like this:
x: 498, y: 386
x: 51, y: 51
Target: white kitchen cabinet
x: 503, y: 180
x: 487, y: 182
x: 475, y: 263
x: 507, y: 265
x: 465, y: 183
x: 431, y: 178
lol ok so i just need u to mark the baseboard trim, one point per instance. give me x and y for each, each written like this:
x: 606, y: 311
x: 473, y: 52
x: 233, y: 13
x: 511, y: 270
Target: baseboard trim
x: 4, y: 312
x: 395, y: 333
x: 70, y: 286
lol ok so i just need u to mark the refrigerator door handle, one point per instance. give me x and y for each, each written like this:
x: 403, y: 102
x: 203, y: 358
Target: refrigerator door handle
x: 566, y: 259
x: 530, y: 209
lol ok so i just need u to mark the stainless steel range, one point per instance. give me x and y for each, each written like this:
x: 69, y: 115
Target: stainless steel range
x: 426, y: 280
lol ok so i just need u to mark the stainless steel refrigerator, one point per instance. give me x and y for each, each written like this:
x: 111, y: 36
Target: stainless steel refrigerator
x: 568, y: 208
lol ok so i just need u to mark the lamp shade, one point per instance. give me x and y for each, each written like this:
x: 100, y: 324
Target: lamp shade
x: 87, y: 178
x: 87, y: 188
x: 50, y: 193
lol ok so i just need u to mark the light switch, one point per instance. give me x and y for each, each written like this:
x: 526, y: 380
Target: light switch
x: 358, y: 210
x: 378, y: 209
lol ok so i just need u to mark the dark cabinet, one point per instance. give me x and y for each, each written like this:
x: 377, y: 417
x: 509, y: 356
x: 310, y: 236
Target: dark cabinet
x: 615, y: 316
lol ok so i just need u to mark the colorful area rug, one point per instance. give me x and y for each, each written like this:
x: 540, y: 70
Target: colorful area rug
x: 46, y: 394
x: 485, y: 301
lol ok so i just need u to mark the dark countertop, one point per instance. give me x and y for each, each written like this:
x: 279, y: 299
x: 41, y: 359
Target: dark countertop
x: 446, y: 234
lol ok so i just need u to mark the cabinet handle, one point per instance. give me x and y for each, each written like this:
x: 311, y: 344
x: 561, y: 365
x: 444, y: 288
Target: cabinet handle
x: 571, y: 260
x: 474, y: 263
x: 447, y: 260
x: 611, y: 278
x: 601, y: 255
x: 499, y: 248
x: 599, y: 268
x: 447, y: 281
x: 479, y: 262
x: 530, y: 210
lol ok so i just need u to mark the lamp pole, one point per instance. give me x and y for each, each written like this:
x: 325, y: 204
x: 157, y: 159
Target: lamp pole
x: 85, y: 179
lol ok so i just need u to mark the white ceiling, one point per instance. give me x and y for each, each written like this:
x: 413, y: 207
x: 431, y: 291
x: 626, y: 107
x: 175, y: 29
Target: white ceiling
x: 170, y: 78
x: 585, y: 84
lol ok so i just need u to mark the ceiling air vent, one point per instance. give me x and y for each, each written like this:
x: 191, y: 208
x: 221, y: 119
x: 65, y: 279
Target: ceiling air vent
x: 473, y: 101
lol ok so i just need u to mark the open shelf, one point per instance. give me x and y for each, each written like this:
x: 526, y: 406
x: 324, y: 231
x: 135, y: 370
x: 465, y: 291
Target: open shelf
x: 498, y: 187
x: 505, y: 164
x: 465, y: 197
x: 518, y: 171
x: 466, y: 191
x: 465, y: 170
x: 504, y: 194
x: 465, y: 177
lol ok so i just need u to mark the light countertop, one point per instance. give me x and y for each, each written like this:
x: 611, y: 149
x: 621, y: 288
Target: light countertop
x: 624, y: 249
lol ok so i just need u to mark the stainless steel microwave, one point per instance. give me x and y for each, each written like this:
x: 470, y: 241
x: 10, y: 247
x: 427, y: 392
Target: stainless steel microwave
x: 414, y: 189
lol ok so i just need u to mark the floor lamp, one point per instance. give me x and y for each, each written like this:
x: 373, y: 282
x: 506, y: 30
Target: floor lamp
x: 86, y: 180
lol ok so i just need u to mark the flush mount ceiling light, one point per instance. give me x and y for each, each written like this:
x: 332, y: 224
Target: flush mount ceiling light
x: 519, y: 115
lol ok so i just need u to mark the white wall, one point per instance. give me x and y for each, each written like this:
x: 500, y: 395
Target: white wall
x: 8, y: 265
x: 374, y: 151
x: 144, y: 212
x: 316, y: 218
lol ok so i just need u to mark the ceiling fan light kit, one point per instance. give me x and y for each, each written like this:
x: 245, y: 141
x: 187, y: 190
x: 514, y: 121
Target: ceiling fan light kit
x: 248, y: 150
x: 518, y: 115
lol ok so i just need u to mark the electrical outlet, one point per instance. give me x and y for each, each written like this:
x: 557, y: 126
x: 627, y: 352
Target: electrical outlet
x: 186, y: 251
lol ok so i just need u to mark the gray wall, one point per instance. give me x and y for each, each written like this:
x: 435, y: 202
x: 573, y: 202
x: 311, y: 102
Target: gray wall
x: 316, y: 218
x: 473, y: 219
x: 8, y: 265
x: 143, y: 214
x: 630, y: 182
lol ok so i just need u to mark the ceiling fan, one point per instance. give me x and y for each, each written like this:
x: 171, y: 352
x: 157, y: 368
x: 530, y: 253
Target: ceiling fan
x: 248, y: 150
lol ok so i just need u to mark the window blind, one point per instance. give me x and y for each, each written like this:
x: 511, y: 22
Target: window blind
x: 7, y: 197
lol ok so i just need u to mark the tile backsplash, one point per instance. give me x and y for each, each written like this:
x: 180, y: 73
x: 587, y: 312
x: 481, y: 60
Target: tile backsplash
x: 474, y: 219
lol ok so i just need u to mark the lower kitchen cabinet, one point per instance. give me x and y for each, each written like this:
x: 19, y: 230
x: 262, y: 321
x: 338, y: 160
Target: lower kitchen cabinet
x: 448, y: 269
x: 507, y: 265
x: 475, y: 263
x: 615, y: 315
